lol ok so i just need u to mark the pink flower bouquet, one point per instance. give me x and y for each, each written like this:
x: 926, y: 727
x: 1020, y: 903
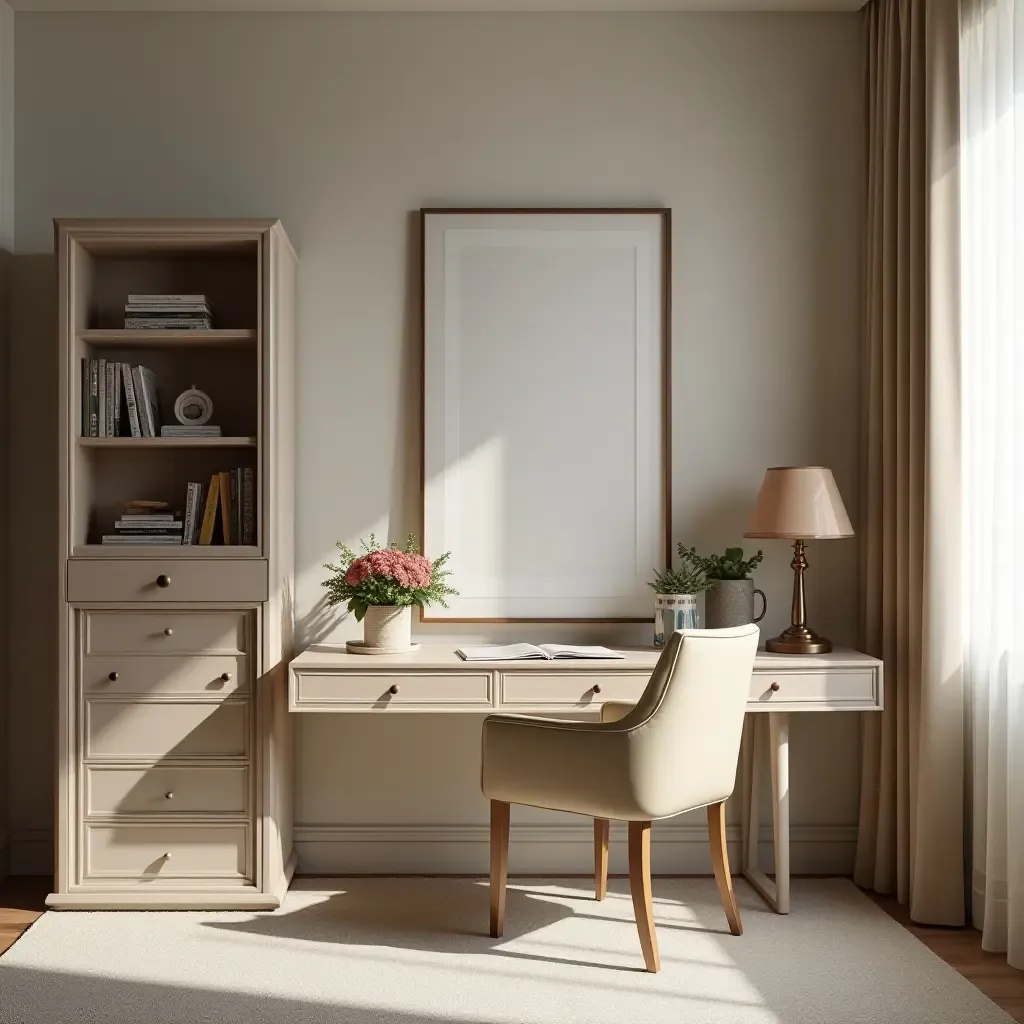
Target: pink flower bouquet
x: 387, y: 576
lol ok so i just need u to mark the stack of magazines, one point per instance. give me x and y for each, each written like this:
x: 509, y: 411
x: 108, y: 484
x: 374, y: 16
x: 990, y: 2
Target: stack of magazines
x: 137, y: 526
x: 168, y: 312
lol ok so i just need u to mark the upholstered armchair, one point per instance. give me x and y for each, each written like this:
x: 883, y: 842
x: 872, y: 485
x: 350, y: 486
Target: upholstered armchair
x: 674, y: 751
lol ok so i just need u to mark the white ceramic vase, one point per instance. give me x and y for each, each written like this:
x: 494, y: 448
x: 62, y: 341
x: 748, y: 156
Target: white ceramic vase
x: 388, y: 627
x: 672, y: 612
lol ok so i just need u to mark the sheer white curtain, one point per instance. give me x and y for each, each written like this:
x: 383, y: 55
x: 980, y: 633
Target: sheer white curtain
x: 992, y: 231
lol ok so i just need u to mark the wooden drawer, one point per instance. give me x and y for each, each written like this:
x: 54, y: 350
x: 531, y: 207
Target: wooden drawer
x: 125, y: 730
x: 142, y: 675
x: 152, y: 853
x: 131, y: 579
x: 167, y: 632
x: 570, y: 689
x: 373, y: 690
x: 837, y: 688
x: 166, y: 790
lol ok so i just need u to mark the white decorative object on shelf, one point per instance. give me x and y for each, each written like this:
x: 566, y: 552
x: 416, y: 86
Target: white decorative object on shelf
x: 193, y: 408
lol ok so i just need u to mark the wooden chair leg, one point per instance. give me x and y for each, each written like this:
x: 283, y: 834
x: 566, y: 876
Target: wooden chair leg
x: 600, y: 858
x: 640, y: 888
x: 720, y: 860
x: 499, y: 865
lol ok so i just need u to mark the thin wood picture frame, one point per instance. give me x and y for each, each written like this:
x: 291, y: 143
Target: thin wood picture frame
x: 499, y: 287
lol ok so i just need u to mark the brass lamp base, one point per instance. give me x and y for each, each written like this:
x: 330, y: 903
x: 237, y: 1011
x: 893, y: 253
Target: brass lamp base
x: 799, y: 640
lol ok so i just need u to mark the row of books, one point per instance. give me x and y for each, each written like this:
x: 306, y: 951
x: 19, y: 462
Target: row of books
x: 168, y: 312
x: 117, y: 397
x: 221, y: 512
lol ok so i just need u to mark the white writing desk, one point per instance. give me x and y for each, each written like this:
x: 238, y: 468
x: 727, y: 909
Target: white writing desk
x: 434, y: 680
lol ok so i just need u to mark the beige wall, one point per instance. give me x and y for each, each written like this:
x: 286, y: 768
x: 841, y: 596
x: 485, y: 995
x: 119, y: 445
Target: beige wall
x: 747, y: 126
x: 6, y: 245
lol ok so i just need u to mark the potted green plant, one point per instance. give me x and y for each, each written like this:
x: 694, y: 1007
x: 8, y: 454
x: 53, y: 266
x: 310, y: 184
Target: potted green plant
x: 729, y: 600
x: 381, y: 585
x: 675, y: 599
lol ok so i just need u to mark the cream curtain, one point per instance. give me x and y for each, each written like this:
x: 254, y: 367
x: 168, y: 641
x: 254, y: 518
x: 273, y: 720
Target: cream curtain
x: 992, y: 204
x: 912, y: 793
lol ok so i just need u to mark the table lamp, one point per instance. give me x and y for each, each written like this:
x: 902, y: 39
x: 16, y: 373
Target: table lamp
x: 799, y: 503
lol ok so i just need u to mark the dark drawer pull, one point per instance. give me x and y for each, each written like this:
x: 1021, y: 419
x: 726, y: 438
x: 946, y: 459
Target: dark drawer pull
x: 774, y: 687
x: 393, y: 688
x: 225, y: 676
x: 596, y: 687
x: 163, y: 581
x: 112, y: 676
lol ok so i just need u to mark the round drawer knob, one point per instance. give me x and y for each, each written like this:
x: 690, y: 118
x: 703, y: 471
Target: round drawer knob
x: 169, y: 795
x: 596, y: 687
x: 112, y: 676
x: 163, y: 581
x: 168, y: 631
x: 775, y: 687
x: 393, y: 688
x: 225, y: 677
x: 167, y: 856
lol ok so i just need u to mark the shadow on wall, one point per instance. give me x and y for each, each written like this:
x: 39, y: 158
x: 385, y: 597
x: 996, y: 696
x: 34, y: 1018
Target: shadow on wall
x: 32, y: 524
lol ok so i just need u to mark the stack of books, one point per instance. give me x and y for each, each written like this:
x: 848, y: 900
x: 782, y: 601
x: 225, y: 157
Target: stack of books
x: 186, y: 430
x: 119, y: 400
x: 227, y: 514
x: 147, y: 528
x: 168, y: 312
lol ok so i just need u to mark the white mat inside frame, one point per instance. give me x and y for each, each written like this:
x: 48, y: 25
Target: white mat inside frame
x: 413, y: 951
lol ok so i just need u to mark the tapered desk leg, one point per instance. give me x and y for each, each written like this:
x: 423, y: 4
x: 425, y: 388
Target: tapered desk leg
x: 775, y: 893
x: 778, y: 731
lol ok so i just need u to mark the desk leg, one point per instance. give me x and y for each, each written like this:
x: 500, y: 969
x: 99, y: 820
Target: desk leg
x: 775, y: 893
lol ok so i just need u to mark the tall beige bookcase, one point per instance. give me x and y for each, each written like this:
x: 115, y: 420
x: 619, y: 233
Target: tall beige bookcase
x: 173, y: 772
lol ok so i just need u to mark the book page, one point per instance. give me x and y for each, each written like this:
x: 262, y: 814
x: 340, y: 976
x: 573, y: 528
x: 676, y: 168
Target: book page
x: 510, y: 652
x: 568, y: 651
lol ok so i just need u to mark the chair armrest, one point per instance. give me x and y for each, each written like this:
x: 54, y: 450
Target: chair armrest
x: 613, y: 710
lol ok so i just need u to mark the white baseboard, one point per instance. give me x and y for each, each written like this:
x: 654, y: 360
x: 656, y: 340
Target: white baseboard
x: 555, y: 849
x: 533, y: 849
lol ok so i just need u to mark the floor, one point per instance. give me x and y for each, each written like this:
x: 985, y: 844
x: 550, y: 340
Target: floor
x: 22, y: 902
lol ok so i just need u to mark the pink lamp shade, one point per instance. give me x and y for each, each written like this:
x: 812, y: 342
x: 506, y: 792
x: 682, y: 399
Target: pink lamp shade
x: 799, y: 503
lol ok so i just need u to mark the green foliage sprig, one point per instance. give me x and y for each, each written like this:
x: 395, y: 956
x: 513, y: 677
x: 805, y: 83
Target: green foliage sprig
x: 387, y: 576
x: 730, y: 566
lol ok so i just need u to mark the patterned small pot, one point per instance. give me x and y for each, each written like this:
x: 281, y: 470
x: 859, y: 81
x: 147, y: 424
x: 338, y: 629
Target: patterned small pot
x: 388, y: 627
x: 672, y: 612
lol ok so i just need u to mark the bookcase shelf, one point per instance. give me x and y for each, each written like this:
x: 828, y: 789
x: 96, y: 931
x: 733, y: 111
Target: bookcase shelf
x: 166, y: 442
x: 165, y: 551
x: 138, y: 338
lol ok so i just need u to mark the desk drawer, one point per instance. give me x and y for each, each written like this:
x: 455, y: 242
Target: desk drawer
x: 167, y: 632
x: 142, y: 676
x: 571, y: 689
x: 165, y: 790
x: 151, y: 853
x: 835, y: 688
x: 379, y: 691
x: 135, y: 579
x: 128, y: 731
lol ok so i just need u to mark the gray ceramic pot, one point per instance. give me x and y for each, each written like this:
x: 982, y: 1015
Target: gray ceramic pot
x: 731, y: 603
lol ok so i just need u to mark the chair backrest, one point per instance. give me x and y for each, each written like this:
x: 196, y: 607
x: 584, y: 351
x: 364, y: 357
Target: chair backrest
x: 684, y: 733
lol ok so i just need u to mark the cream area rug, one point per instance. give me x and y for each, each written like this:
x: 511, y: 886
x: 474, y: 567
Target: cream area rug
x: 415, y: 951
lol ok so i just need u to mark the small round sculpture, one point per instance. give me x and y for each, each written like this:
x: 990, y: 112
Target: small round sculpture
x: 193, y: 408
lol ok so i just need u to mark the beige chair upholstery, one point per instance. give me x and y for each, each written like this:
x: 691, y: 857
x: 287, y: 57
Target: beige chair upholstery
x: 674, y: 751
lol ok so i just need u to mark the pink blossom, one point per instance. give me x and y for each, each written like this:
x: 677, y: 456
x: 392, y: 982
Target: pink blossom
x: 412, y: 571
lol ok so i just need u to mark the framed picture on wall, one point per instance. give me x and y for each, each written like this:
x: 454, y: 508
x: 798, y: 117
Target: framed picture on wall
x: 546, y: 469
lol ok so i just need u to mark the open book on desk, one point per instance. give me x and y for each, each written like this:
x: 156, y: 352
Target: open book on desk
x: 524, y: 652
